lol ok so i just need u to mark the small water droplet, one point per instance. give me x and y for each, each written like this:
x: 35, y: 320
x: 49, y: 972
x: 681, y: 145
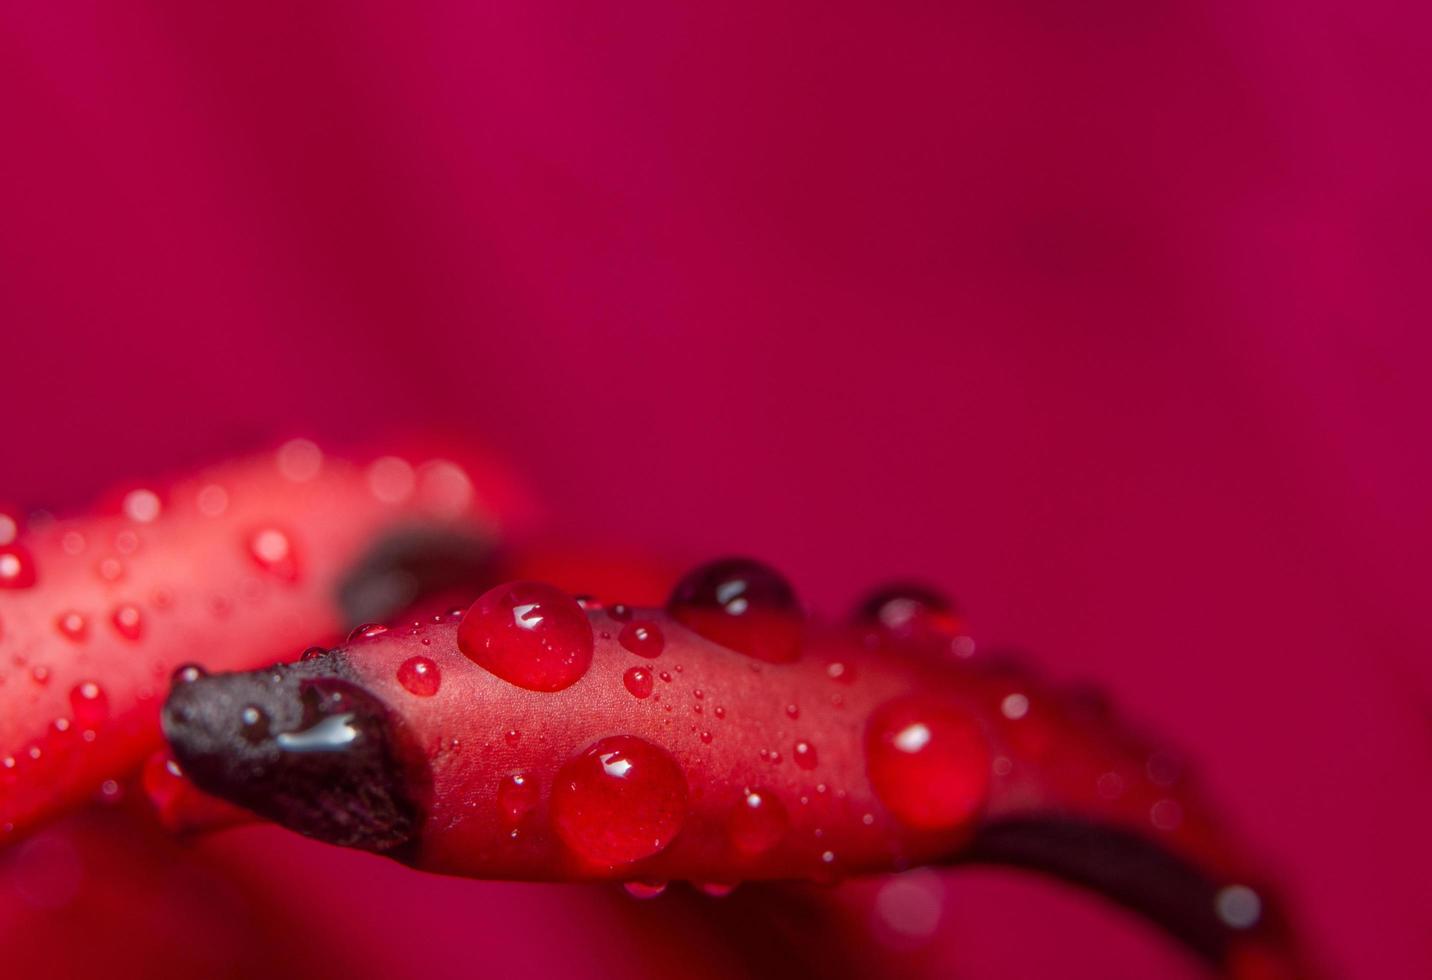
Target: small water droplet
x: 17, y: 568
x: 187, y: 674
x: 517, y: 796
x: 89, y: 704
x: 757, y: 823
x: 73, y: 626
x: 141, y: 506
x: 366, y: 632
x: 128, y: 622
x: 273, y: 551
x: 621, y: 612
x: 420, y: 676
x: 714, y: 889
x: 644, y: 890
x: 643, y: 639
x: 254, y: 723
x: 512, y: 737
x: 706, y: 737
x: 719, y: 712
x: 804, y: 754
x: 40, y: 674
x: 638, y: 681
x: 910, y: 612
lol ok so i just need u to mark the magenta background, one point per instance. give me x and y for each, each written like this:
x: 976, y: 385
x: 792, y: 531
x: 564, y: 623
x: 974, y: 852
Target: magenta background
x: 1110, y: 317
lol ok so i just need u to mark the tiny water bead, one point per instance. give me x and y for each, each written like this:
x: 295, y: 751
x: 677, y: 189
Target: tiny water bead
x: 17, y: 568
x: 644, y: 890
x: 512, y: 737
x: 141, y: 506
x: 758, y: 822
x: 638, y: 681
x: 928, y: 762
x: 804, y: 754
x: 187, y: 674
x: 253, y: 723
x: 529, y: 634
x: 743, y: 605
x: 72, y: 626
x: 420, y: 676
x: 517, y: 796
x: 273, y: 551
x: 643, y: 639
x: 621, y: 800
x: 621, y: 612
x: 910, y: 612
x: 89, y: 704
x: 312, y: 653
x: 128, y: 622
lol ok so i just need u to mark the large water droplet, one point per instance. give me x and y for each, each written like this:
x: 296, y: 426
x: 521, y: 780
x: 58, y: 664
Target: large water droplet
x: 529, y: 634
x: 643, y: 639
x: 17, y: 568
x: 929, y: 763
x: 420, y: 676
x: 758, y: 822
x: 621, y: 800
x: 743, y: 605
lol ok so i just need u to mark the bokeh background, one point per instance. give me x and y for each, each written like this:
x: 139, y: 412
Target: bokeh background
x: 1111, y: 318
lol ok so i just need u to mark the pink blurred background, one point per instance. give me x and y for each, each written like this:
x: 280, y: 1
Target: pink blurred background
x: 1110, y: 318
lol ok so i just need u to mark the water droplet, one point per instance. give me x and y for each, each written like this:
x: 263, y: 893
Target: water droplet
x: 273, y: 551
x: 804, y: 754
x: 529, y: 634
x: 128, y: 622
x: 212, y: 500
x: 719, y: 712
x: 366, y: 632
x: 512, y: 737
x: 758, y: 822
x: 187, y: 674
x: 706, y: 737
x: 666, y: 677
x: 312, y: 653
x: 517, y: 796
x: 643, y: 639
x: 928, y: 762
x: 621, y: 612
x: 644, y: 890
x: 40, y: 674
x: 638, y: 681
x: 420, y: 676
x: 840, y: 671
x: 17, y: 568
x: 1239, y: 906
x: 1166, y: 814
x: 391, y: 480
x: 254, y: 723
x: 621, y: 800
x: 89, y: 704
x: 910, y: 612
x: 743, y: 605
x: 299, y: 460
x: 72, y: 626
x: 141, y: 506
x: 714, y: 889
